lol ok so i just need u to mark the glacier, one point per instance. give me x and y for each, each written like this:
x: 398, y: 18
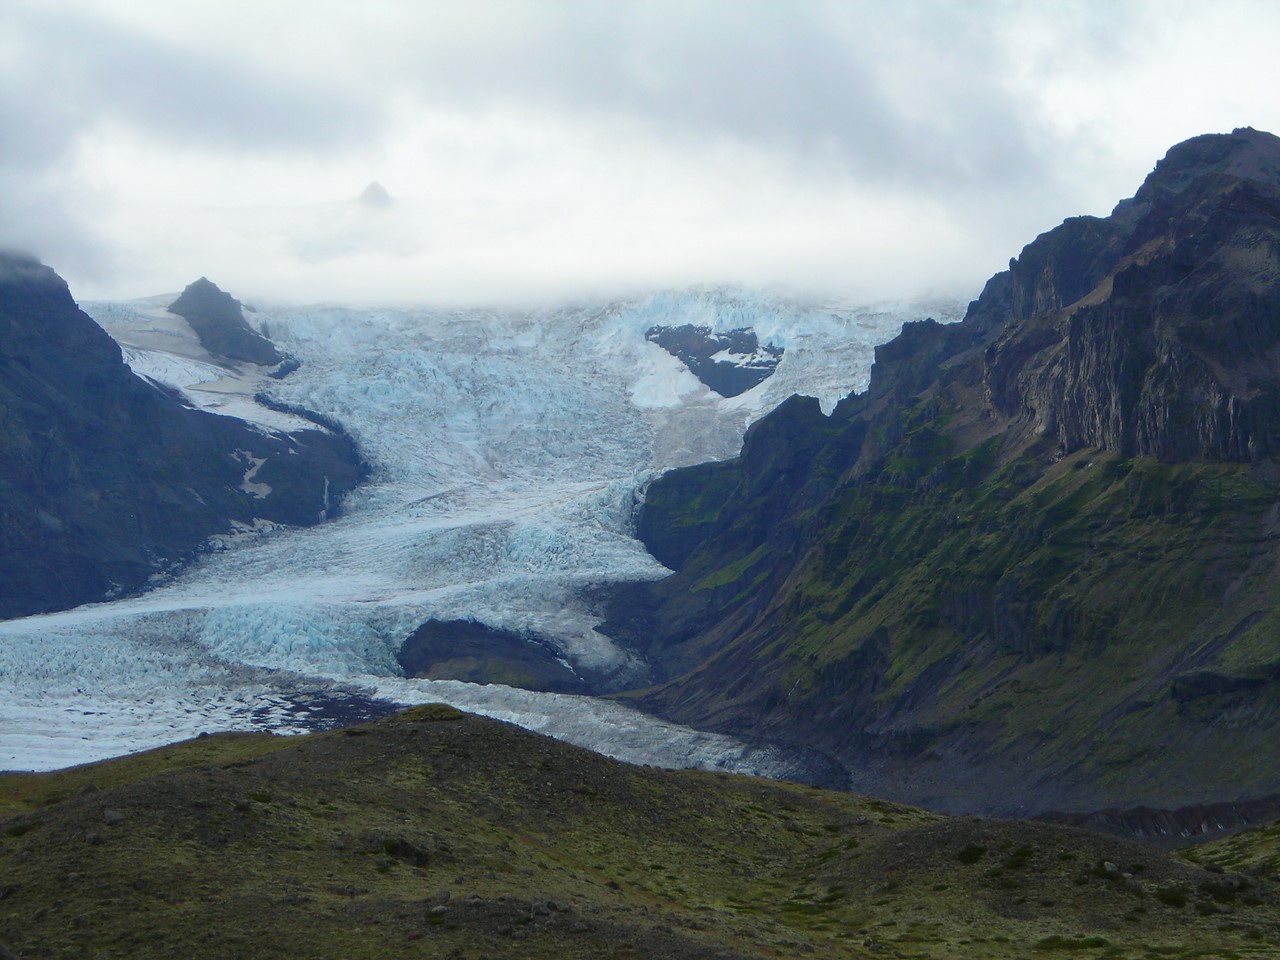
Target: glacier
x: 508, y: 450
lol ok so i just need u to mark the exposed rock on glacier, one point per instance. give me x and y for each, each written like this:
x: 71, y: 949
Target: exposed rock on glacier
x: 218, y: 320
x: 729, y: 363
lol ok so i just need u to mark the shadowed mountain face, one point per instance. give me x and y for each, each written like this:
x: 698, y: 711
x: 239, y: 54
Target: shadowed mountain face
x: 105, y: 480
x: 478, y: 653
x: 218, y: 321
x: 1033, y: 566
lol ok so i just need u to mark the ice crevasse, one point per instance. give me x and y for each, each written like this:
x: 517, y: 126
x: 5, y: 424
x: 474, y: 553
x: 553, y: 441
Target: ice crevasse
x: 507, y: 453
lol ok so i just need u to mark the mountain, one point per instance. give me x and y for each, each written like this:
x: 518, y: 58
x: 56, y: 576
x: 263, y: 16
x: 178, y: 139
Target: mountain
x: 478, y: 653
x: 730, y: 363
x: 106, y: 480
x: 434, y: 833
x: 1034, y: 565
x: 218, y: 320
x: 375, y: 196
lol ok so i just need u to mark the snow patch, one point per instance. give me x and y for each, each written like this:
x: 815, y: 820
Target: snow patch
x: 162, y: 348
x: 258, y: 491
x: 758, y: 358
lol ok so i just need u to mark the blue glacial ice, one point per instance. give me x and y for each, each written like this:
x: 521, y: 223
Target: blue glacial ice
x: 508, y: 452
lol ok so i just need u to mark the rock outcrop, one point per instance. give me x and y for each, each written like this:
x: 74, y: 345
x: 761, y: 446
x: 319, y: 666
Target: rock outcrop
x: 729, y: 363
x: 1173, y: 353
x: 105, y: 480
x: 478, y: 653
x: 218, y: 320
x: 1004, y: 578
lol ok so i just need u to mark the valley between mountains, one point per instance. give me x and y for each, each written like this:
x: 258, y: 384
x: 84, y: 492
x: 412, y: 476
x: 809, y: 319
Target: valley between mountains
x: 1025, y: 565
x: 499, y: 457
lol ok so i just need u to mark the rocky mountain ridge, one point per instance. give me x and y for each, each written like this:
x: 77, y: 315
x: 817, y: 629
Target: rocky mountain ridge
x: 999, y: 578
x: 218, y: 320
x: 106, y: 480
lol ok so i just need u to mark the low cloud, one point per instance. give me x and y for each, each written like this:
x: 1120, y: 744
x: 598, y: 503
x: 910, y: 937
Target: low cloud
x: 544, y: 149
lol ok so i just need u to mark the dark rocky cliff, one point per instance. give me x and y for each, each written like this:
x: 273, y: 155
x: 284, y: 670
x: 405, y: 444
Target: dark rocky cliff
x: 105, y: 480
x: 992, y: 581
x: 218, y: 320
x: 1174, y: 355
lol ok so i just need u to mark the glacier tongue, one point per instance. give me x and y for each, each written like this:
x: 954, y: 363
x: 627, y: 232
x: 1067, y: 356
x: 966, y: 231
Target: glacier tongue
x: 507, y: 452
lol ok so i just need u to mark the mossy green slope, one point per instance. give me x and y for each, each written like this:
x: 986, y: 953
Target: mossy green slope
x: 1254, y: 852
x: 1035, y: 566
x: 435, y: 834
x: 1108, y: 622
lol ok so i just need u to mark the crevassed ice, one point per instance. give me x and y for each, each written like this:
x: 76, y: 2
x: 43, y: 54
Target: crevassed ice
x: 508, y: 450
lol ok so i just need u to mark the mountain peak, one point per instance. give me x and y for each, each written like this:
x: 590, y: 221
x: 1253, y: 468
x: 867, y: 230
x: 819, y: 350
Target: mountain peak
x: 375, y: 196
x: 204, y: 292
x: 219, y: 322
x: 17, y: 267
x: 1244, y: 152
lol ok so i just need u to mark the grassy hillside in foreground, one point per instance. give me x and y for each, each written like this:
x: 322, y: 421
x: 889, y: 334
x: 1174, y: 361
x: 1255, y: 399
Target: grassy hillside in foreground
x: 437, y: 834
x: 1255, y: 851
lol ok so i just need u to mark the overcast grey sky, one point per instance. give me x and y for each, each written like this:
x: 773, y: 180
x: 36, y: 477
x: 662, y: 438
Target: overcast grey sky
x: 545, y: 150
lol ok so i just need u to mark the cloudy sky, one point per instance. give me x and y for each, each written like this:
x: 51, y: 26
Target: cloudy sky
x: 547, y: 150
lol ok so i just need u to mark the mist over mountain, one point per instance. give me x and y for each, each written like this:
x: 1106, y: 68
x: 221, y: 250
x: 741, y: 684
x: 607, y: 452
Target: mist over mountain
x: 375, y: 196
